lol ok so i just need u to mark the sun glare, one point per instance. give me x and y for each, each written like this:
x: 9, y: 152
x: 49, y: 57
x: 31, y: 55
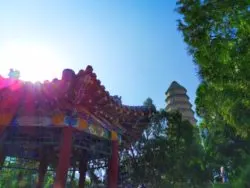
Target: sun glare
x: 36, y: 62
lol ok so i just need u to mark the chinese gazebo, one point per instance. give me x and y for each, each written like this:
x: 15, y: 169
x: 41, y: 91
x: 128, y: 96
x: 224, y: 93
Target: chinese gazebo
x: 74, y: 117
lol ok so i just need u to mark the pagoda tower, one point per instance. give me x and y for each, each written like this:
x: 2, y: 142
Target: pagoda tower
x: 178, y: 100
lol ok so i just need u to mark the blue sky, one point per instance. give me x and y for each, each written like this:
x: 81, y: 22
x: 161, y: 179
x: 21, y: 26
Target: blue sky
x: 133, y: 45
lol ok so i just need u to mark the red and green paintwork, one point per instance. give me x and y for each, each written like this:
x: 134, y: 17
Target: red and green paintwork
x: 77, y: 100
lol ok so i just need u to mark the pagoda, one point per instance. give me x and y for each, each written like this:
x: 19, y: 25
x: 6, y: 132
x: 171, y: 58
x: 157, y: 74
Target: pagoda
x: 178, y: 100
x: 66, y: 123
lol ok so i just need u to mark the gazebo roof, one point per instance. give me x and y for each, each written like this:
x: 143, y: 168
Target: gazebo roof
x: 73, y: 93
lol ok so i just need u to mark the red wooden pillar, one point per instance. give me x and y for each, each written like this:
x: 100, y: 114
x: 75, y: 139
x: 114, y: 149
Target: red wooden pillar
x: 2, y: 129
x: 42, y: 172
x: 64, y: 158
x: 2, y: 155
x: 113, y: 166
x: 82, y: 170
x: 2, y: 158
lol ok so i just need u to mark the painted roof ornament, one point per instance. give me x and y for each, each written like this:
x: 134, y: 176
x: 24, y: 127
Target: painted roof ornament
x: 14, y: 74
x: 117, y: 99
x: 71, y: 118
x: 73, y: 97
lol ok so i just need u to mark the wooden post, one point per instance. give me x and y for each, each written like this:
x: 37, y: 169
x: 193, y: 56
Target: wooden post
x: 2, y: 129
x: 2, y: 158
x: 42, y: 171
x: 64, y: 158
x: 82, y: 170
x: 2, y: 137
x: 113, y: 166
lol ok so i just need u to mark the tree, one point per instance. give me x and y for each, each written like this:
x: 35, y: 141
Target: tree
x: 20, y: 173
x: 218, y: 35
x: 169, y: 151
x: 243, y: 181
x: 149, y: 103
x: 223, y: 147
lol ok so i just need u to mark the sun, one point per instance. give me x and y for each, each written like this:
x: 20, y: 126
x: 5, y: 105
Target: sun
x: 35, y: 61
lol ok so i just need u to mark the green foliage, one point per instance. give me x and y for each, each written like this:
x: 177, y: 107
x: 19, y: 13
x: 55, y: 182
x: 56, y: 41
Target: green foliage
x: 218, y: 35
x: 149, y: 103
x: 224, y: 147
x: 168, y: 152
x: 16, y: 175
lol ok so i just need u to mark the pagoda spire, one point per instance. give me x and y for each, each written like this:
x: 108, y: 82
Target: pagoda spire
x: 178, y: 100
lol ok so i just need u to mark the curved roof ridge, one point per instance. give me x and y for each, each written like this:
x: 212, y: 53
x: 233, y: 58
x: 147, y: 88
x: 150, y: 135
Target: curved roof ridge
x: 175, y: 85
